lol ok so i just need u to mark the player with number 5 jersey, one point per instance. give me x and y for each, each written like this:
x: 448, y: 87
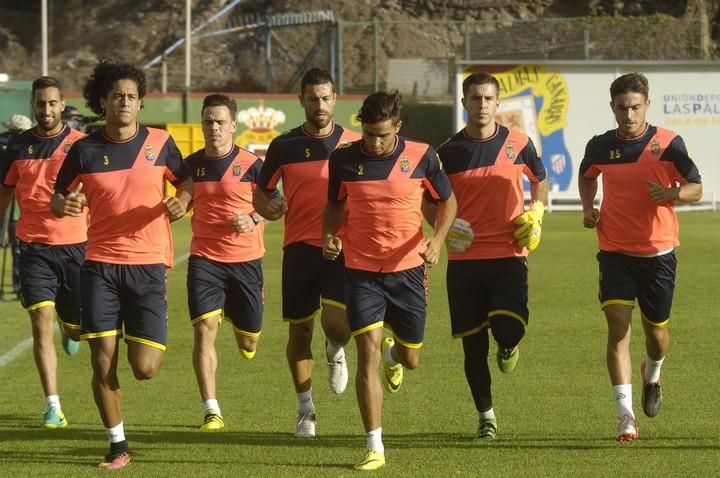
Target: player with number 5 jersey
x: 311, y: 284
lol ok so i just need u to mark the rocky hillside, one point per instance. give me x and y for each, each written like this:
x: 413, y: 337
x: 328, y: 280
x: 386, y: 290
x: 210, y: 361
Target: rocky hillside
x: 84, y: 31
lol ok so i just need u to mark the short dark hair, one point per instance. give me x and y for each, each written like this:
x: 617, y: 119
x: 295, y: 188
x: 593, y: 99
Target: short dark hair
x: 46, y: 82
x: 103, y: 79
x: 480, y: 78
x: 380, y: 106
x: 316, y: 76
x: 630, y: 83
x: 220, y: 100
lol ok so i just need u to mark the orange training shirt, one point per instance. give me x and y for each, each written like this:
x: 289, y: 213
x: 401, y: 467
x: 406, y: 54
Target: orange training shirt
x: 486, y: 177
x: 222, y: 187
x: 630, y: 221
x: 32, y: 167
x: 123, y: 183
x: 383, y: 196
x: 301, y: 161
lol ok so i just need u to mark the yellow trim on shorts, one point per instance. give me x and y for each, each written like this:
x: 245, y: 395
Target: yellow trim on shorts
x: 629, y: 303
x: 367, y: 328
x: 333, y: 303
x: 207, y: 315
x: 472, y: 331
x: 145, y: 342
x: 656, y: 324
x: 98, y: 335
x: 408, y: 344
x: 69, y: 325
x: 304, y: 319
x: 509, y: 313
x: 246, y: 333
x: 44, y: 303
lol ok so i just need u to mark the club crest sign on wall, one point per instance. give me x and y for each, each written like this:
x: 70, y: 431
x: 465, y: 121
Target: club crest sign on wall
x: 261, y: 123
x: 534, y: 100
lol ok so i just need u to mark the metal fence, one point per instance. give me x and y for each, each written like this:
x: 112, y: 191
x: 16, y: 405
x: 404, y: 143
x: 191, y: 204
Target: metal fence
x: 269, y: 53
x: 374, y: 55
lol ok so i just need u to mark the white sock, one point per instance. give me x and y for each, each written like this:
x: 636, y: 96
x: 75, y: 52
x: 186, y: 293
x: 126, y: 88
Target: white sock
x: 623, y: 398
x: 333, y: 351
x: 374, y: 440
x: 211, y: 404
x: 116, y: 434
x: 487, y: 414
x: 652, y: 369
x: 389, y: 358
x: 305, y: 403
x: 52, y: 401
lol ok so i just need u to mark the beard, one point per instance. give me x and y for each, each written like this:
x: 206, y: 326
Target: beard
x: 320, y: 122
x: 48, y: 124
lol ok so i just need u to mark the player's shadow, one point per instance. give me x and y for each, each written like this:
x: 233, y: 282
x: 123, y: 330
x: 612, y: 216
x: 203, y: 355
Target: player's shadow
x: 562, y: 442
x: 144, y: 440
x: 241, y: 437
x: 15, y: 428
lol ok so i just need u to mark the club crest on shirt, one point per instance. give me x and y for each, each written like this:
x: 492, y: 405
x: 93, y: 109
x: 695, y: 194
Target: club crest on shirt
x: 149, y: 154
x: 361, y: 170
x: 66, y: 147
x: 510, y: 151
x: 236, y: 169
x: 404, y: 165
x: 655, y: 147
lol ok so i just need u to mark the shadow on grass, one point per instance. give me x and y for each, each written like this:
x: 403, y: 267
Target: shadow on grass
x: 20, y: 428
x: 562, y: 442
x: 151, y: 446
x: 179, y: 436
x: 91, y: 458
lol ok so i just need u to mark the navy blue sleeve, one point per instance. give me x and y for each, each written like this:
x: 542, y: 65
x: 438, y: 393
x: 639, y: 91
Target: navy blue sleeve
x: 254, y: 172
x: 587, y: 160
x: 438, y: 182
x: 70, y: 169
x: 335, y: 179
x: 269, y: 166
x: 175, y: 165
x: 677, y: 153
x: 533, y: 162
x: 6, y: 160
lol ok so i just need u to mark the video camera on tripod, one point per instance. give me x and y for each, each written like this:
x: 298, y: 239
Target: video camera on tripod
x: 73, y: 118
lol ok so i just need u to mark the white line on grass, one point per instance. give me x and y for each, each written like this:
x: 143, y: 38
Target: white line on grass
x: 17, y: 350
x: 27, y: 343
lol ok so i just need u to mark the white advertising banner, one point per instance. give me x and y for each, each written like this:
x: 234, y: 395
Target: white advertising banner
x: 560, y: 106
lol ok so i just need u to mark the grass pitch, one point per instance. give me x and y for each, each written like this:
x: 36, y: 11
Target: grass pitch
x: 556, y: 415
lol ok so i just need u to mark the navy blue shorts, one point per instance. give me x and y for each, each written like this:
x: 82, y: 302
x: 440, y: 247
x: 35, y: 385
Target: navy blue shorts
x: 396, y: 300
x: 483, y: 288
x: 651, y: 280
x: 233, y: 290
x: 51, y: 277
x: 129, y: 295
x: 309, y: 280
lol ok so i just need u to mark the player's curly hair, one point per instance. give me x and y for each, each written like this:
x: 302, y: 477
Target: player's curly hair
x: 629, y: 83
x: 104, y: 77
x: 380, y: 106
